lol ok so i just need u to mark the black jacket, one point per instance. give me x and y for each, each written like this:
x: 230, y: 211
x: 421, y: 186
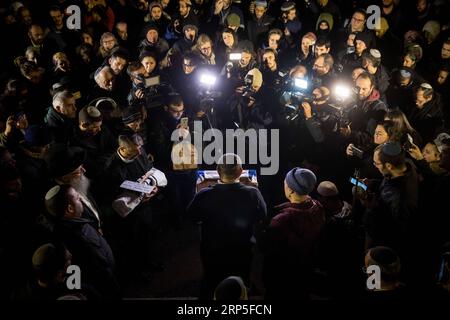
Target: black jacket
x: 429, y: 120
x: 60, y: 127
x: 90, y: 252
x: 390, y: 222
x: 257, y: 29
x: 99, y: 150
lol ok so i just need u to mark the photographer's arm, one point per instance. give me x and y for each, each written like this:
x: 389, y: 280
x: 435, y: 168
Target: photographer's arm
x: 314, y: 126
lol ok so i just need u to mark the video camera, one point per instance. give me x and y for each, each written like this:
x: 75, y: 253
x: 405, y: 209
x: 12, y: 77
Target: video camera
x: 296, y: 91
x: 154, y: 91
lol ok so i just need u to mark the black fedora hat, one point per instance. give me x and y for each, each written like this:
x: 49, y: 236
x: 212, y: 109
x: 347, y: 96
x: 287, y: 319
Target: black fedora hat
x: 62, y: 159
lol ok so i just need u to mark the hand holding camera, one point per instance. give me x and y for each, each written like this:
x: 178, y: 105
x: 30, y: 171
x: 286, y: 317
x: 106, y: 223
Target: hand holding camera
x: 307, y: 110
x: 414, y: 152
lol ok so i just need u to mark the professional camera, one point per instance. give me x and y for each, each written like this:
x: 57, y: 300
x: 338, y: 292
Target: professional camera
x: 154, y: 91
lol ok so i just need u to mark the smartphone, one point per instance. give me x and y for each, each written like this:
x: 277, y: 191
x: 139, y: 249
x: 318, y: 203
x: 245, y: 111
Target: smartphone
x: 184, y: 123
x: 357, y: 152
x: 360, y: 184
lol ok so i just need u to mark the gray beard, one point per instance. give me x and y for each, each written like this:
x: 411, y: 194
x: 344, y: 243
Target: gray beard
x: 81, y: 185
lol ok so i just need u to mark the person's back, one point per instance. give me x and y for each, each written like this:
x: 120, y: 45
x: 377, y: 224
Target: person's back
x: 292, y: 238
x: 228, y: 213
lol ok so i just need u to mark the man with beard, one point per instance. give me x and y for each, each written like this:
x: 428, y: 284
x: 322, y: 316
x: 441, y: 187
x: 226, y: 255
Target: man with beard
x: 260, y: 24
x: 190, y: 36
x: 371, y: 61
x: 95, y: 139
x: 393, y: 16
x: 366, y: 113
x: 324, y: 74
x: 65, y: 165
x: 40, y: 42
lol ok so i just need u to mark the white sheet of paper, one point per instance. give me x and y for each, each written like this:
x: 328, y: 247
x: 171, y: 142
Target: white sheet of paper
x: 136, y: 186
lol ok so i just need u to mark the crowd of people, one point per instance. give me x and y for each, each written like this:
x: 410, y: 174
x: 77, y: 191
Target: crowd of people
x: 85, y: 113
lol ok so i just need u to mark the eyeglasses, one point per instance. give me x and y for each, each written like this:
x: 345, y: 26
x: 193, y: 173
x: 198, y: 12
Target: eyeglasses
x: 205, y: 49
x: 188, y: 65
x: 357, y: 20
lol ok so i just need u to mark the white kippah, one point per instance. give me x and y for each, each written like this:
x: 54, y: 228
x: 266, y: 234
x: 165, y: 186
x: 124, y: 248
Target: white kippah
x: 426, y: 86
x: 375, y: 53
x: 52, y: 192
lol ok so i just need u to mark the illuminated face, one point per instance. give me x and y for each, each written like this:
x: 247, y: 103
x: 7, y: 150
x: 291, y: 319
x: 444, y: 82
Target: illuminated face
x: 87, y: 39
x: 156, y: 13
x: 378, y: 164
x: 122, y: 30
x: 245, y: 59
x: 259, y: 12
x: 69, y: 108
x: 364, y: 88
x: 188, y: 66
x: 421, y: 100
x: 357, y: 22
x: 323, y: 26
x: 431, y: 153
x: 189, y: 33
x: 206, y: 49
x: 152, y: 36
x: 291, y: 15
x: 445, y: 51
x: 380, y: 136
x: 269, y: 59
x: 93, y: 128
x: 321, y: 50
x: 149, y: 64
x: 117, y: 64
x: 106, y: 81
x: 408, y: 62
x: 274, y: 40
x: 319, y: 66
x: 421, y: 5
x: 57, y: 17
x: 37, y: 35
x: 164, y: 3
x: 228, y: 39
x: 109, y: 43
x: 135, y: 126
x: 442, y: 77
x: 306, y: 44
x: 25, y: 17
x: 360, y: 47
x: 184, y: 9
x: 176, y: 111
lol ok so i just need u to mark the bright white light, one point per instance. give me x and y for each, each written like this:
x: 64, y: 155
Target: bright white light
x: 301, y: 83
x: 235, y: 56
x: 208, y: 79
x: 342, y: 91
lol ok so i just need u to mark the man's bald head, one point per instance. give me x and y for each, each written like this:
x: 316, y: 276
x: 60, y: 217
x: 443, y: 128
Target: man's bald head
x: 36, y: 34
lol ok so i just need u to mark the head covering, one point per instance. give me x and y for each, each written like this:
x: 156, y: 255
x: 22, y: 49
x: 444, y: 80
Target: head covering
x: 288, y: 5
x: 190, y: 26
x: 327, y: 189
x: 405, y: 73
x: 432, y: 28
x: 62, y: 159
x: 233, y: 20
x: 131, y: 114
x: 365, y: 37
x: 154, y: 4
x: 415, y: 51
x: 392, y: 149
x: 325, y: 17
x: 231, y: 289
x: 439, y: 141
x: 294, y: 26
x: 261, y: 3
x: 151, y: 26
x: 375, y: 53
x: 257, y: 77
x: 90, y: 114
x: 301, y: 181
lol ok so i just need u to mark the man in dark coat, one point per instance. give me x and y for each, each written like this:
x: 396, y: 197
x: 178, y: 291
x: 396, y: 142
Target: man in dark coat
x: 90, y: 250
x: 60, y: 117
x: 228, y: 213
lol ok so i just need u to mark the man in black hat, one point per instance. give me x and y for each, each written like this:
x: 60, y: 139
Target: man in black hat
x: 65, y: 166
x: 363, y: 41
x: 95, y: 139
x: 185, y: 44
x: 154, y: 42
